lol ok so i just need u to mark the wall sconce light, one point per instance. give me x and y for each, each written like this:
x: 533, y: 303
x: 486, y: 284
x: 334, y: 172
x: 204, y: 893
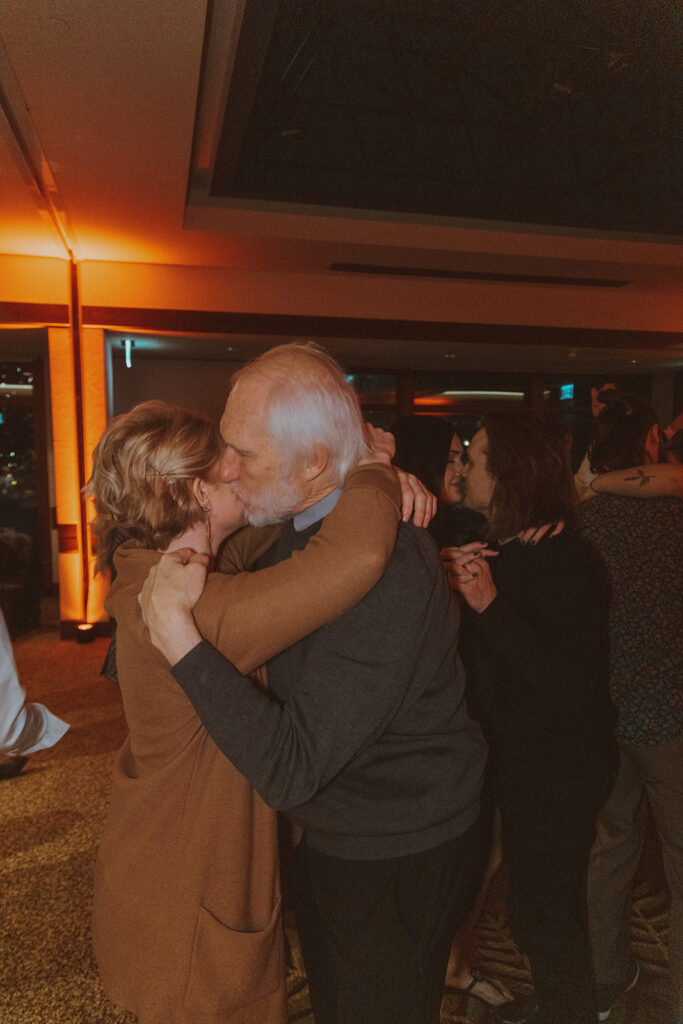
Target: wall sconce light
x: 128, y: 345
x: 85, y: 633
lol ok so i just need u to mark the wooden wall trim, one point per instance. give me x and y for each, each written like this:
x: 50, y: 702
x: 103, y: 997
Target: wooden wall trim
x: 198, y: 321
x: 42, y: 313
x: 215, y: 322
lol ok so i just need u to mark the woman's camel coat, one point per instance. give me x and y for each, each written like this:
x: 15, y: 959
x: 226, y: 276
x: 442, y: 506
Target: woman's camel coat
x: 186, y: 917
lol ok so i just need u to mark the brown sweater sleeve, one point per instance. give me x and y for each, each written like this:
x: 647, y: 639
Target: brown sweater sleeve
x: 242, y: 551
x: 252, y: 616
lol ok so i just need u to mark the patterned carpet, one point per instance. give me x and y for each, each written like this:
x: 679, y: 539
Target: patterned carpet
x: 50, y: 820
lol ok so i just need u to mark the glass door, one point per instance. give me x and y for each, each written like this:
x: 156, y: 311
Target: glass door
x: 25, y: 569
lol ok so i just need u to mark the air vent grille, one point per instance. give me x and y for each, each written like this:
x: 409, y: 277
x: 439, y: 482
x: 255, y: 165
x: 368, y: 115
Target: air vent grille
x: 476, y: 275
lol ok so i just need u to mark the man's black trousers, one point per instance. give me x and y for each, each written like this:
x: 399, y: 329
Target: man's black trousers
x: 375, y: 935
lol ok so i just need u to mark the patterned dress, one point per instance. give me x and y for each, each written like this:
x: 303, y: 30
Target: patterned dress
x: 640, y: 542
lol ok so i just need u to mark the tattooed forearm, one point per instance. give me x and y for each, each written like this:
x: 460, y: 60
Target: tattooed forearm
x: 653, y: 480
x: 640, y: 475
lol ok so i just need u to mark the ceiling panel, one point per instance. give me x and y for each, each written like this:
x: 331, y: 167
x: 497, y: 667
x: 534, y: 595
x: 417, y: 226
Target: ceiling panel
x: 113, y: 118
x: 556, y: 114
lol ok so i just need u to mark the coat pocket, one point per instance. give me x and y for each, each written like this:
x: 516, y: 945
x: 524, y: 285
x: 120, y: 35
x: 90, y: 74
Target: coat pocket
x: 233, y: 969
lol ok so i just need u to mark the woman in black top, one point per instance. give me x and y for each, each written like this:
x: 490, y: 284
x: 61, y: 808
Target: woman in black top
x: 532, y: 643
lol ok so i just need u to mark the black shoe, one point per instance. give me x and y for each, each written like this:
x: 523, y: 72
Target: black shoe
x: 10, y: 768
x: 519, y: 1011
x: 609, y: 994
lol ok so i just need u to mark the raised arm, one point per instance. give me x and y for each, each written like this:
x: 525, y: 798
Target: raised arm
x: 657, y: 480
x: 291, y: 751
x: 254, y: 615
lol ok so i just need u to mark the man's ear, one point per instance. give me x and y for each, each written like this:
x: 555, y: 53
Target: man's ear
x: 317, y: 462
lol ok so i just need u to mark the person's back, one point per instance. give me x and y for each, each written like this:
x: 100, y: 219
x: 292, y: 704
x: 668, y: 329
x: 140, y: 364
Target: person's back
x: 391, y: 661
x: 640, y: 543
x: 171, y: 861
x: 558, y: 703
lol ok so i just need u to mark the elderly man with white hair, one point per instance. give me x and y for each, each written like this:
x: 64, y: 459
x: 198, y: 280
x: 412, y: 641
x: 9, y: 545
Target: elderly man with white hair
x: 363, y: 738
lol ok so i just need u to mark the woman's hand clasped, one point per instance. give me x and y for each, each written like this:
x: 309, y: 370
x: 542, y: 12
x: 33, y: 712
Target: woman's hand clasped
x: 469, y: 573
x: 170, y: 592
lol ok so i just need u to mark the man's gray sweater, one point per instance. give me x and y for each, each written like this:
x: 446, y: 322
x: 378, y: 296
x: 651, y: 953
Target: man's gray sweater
x: 363, y: 737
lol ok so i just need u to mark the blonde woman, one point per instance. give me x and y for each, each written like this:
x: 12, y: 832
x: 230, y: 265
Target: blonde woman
x: 186, y: 920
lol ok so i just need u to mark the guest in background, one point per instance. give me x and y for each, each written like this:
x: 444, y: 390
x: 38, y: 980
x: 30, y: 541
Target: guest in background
x: 533, y: 647
x: 186, y: 916
x: 582, y: 431
x: 641, y: 547
x: 642, y: 481
x: 457, y: 524
x: 25, y: 727
x: 430, y: 448
x: 421, y: 447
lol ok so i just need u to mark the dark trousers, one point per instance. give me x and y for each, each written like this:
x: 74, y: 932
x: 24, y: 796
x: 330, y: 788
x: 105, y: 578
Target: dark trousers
x: 547, y: 858
x: 375, y: 935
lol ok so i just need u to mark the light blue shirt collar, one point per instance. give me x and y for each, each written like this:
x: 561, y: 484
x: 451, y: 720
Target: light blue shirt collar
x: 314, y: 513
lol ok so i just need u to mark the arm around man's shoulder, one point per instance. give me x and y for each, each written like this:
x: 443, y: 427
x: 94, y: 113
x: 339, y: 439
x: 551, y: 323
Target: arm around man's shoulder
x: 242, y: 550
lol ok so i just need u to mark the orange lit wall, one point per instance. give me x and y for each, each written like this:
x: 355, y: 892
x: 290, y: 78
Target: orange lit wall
x: 72, y: 597
x: 33, y: 279
x: 648, y: 306
x: 63, y: 398
x: 94, y: 423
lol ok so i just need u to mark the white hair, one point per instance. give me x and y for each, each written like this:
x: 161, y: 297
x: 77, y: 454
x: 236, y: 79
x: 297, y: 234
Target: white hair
x: 309, y: 402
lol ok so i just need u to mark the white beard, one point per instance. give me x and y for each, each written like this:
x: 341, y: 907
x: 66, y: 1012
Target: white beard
x: 274, y: 505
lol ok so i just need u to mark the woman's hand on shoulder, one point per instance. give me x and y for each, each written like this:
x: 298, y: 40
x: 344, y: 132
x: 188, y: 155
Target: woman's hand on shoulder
x: 536, y: 533
x: 416, y: 500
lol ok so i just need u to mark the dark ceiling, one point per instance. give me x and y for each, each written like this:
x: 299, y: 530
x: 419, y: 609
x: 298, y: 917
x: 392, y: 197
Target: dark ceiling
x: 546, y: 112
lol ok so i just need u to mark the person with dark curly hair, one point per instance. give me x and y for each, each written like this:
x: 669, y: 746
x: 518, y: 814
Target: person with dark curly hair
x: 533, y: 649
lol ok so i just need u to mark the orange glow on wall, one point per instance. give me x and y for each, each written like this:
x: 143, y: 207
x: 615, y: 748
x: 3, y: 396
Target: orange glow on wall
x: 29, y: 279
x: 36, y: 239
x: 63, y: 398
x: 65, y: 441
x: 94, y: 423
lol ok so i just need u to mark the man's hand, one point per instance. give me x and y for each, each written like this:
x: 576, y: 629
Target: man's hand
x: 469, y: 573
x: 170, y: 592
x: 416, y: 499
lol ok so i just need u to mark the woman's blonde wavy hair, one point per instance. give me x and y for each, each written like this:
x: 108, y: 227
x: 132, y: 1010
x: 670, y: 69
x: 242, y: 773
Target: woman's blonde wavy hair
x: 144, y: 467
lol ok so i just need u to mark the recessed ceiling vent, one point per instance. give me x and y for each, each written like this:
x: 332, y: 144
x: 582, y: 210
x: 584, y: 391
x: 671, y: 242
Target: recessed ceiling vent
x: 476, y: 275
